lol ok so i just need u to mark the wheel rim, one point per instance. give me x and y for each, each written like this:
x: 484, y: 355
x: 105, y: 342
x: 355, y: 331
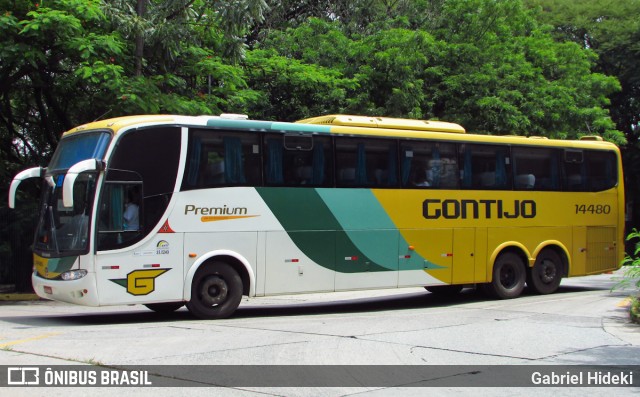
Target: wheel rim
x: 213, y: 291
x: 508, y: 276
x: 547, y: 271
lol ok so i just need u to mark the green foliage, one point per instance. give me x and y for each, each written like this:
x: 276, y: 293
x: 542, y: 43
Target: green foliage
x: 292, y: 90
x: 610, y: 30
x: 631, y: 264
x: 56, y: 67
x: 487, y: 66
x: 631, y: 276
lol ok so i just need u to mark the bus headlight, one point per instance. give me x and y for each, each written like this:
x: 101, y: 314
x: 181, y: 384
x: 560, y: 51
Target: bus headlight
x: 73, y: 274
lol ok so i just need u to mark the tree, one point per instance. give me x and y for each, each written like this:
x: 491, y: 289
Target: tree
x: 487, y: 65
x: 291, y: 90
x: 183, y: 54
x: 610, y: 30
x: 54, y: 62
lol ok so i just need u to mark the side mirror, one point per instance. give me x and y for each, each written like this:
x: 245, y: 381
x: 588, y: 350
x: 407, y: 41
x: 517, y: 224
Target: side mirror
x: 72, y: 175
x: 36, y: 172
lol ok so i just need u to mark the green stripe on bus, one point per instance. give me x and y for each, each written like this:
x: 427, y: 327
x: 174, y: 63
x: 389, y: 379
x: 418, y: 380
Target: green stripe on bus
x: 302, y: 211
x: 301, y: 127
x: 366, y: 223
x: 370, y: 228
x: 240, y: 124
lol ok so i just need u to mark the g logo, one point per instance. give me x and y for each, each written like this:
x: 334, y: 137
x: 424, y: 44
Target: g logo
x: 140, y: 282
x: 143, y: 282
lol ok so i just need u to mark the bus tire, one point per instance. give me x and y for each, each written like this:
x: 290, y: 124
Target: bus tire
x: 509, y: 277
x: 545, y: 275
x: 216, y: 291
x: 165, y: 307
x: 445, y: 290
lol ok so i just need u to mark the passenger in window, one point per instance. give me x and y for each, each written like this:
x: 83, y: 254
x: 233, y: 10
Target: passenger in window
x: 447, y: 174
x: 132, y: 211
x: 421, y: 178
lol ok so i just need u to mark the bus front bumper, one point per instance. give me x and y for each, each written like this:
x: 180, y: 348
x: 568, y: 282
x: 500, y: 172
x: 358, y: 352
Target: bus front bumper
x: 80, y: 292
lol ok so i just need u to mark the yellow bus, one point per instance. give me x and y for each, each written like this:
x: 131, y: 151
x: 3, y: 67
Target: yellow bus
x: 168, y: 210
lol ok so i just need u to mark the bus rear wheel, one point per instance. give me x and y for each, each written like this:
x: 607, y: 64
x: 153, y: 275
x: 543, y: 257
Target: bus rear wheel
x: 545, y: 275
x: 509, y: 277
x: 216, y: 291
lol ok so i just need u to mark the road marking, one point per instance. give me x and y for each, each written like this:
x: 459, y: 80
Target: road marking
x: 19, y: 341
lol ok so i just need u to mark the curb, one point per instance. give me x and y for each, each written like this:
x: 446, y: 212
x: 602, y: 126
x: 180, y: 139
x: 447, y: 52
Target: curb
x: 15, y: 297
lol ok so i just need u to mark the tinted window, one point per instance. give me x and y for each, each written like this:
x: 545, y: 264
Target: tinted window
x: 590, y: 170
x: 298, y: 160
x: 366, y: 162
x: 429, y: 164
x: 222, y: 158
x: 536, y: 168
x: 143, y: 167
x: 485, y: 166
x: 152, y: 153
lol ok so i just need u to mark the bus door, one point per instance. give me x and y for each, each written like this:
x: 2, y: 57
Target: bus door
x: 149, y: 273
x: 127, y: 271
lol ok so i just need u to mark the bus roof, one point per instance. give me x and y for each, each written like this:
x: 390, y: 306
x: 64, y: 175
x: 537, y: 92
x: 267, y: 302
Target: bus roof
x: 340, y: 124
x: 384, y: 122
x: 118, y: 123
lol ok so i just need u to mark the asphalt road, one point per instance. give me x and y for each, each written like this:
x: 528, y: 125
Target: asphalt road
x: 584, y: 323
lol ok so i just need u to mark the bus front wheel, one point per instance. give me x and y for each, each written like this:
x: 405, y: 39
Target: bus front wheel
x: 216, y: 291
x: 545, y: 275
x: 509, y: 277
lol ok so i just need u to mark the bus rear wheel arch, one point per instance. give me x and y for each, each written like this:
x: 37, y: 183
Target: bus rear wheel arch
x: 509, y: 276
x: 216, y: 291
x: 547, y: 272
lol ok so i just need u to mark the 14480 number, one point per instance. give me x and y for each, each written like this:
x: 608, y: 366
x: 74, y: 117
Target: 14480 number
x: 593, y: 209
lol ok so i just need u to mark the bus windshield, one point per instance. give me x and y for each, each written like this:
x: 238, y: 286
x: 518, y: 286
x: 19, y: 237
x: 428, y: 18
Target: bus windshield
x: 65, y: 231
x: 75, y: 148
x: 61, y: 230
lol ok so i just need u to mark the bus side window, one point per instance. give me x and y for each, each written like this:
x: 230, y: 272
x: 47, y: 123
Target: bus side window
x: 485, y: 167
x: 222, y: 158
x: 575, y: 171
x: 350, y: 163
x: 366, y: 162
x: 429, y: 164
x: 590, y: 170
x: 536, y: 168
x: 297, y: 160
x: 601, y: 170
